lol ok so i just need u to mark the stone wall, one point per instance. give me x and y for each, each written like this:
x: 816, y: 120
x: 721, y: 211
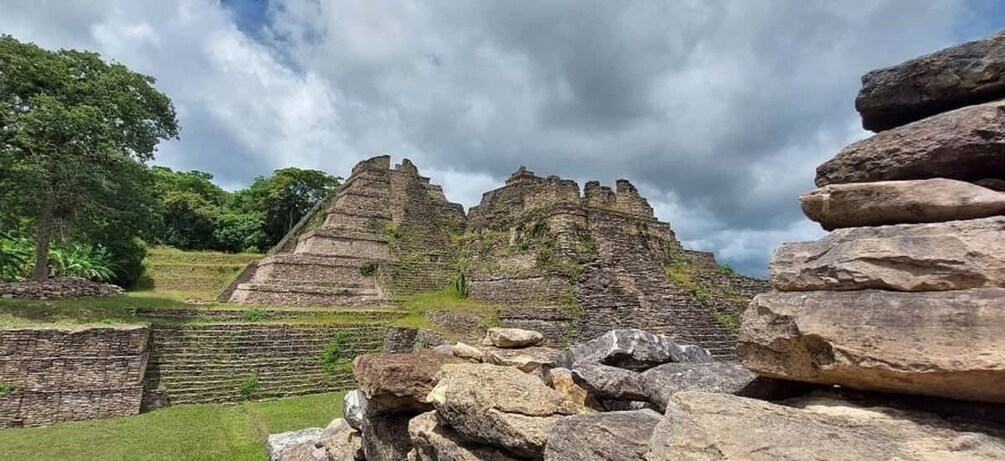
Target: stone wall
x: 58, y: 374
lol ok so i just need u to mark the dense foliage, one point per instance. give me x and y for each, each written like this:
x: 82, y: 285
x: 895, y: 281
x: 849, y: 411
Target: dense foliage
x: 75, y: 135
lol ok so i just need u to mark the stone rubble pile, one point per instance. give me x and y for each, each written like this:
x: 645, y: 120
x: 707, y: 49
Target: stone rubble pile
x: 58, y: 288
x: 883, y: 340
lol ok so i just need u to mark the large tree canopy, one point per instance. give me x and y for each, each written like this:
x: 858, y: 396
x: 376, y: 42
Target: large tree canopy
x: 74, y: 131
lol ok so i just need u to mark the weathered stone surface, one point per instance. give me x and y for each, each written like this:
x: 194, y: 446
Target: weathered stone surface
x: 303, y: 452
x: 970, y: 73
x: 527, y: 359
x: 619, y: 435
x: 560, y: 379
x: 341, y: 442
x: 500, y: 406
x: 710, y: 426
x: 900, y: 202
x: 354, y: 408
x: 626, y: 405
x: 511, y: 337
x: 946, y: 343
x: 433, y: 441
x: 444, y: 349
x: 725, y: 377
x: 607, y: 382
x: 631, y: 349
x: 468, y: 352
x: 397, y: 383
x: 966, y: 144
x: 385, y: 438
x: 953, y: 255
x: 277, y: 443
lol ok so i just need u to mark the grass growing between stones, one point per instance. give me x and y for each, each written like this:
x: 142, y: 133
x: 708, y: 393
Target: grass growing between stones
x: 196, y: 432
x: 191, y: 274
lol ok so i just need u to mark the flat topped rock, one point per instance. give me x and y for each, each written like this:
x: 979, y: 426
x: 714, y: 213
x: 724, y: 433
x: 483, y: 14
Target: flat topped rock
x: 397, y: 383
x: 970, y: 73
x: 953, y: 255
x: 900, y: 202
x: 631, y: 349
x: 433, y: 441
x: 941, y: 343
x: 511, y: 337
x: 607, y: 382
x: 966, y: 144
x: 617, y: 435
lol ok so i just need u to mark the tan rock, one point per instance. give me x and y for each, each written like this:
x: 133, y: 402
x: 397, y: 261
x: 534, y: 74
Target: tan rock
x: 433, y: 441
x: 712, y: 426
x: 397, y: 383
x: 341, y: 441
x: 562, y: 382
x: 966, y: 144
x: 900, y: 202
x: 946, y: 343
x: 500, y: 406
x: 953, y: 255
x: 468, y: 352
x: 511, y: 337
x: 527, y: 360
x: 616, y: 435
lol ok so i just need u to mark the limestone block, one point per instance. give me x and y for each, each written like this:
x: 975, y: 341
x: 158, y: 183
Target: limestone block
x: 953, y: 255
x: 511, y: 337
x: 945, y: 343
x: 276, y: 444
x: 354, y: 409
x: 341, y: 441
x: 560, y: 379
x: 527, y: 360
x: 607, y: 382
x: 900, y: 202
x: 969, y: 73
x: 966, y: 144
x: 385, y: 438
x: 434, y: 441
x: 631, y: 349
x: 468, y: 352
x: 619, y: 435
x: 397, y: 383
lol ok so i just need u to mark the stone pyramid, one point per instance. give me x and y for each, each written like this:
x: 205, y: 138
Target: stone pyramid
x: 386, y: 231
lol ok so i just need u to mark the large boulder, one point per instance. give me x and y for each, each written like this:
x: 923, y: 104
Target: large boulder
x: 276, y: 444
x: 970, y: 73
x: 500, y: 406
x: 953, y: 255
x: 434, y: 441
x: 944, y: 343
x: 711, y: 426
x: 900, y: 202
x: 664, y: 381
x: 631, y: 349
x: 966, y: 144
x: 397, y: 382
x: 607, y: 382
x: 354, y: 408
x: 341, y: 442
x: 614, y: 436
x: 511, y: 337
x: 385, y: 438
x: 527, y: 359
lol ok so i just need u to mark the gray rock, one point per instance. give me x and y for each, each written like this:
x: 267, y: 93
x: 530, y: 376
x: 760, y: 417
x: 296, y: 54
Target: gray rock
x: 607, y: 382
x: 354, y: 409
x: 626, y: 405
x: 900, y: 202
x: 967, y: 144
x: 341, y: 442
x: 500, y: 406
x: 662, y: 382
x: 941, y: 343
x: 631, y: 349
x: 277, y: 443
x: 385, y: 438
x: 953, y: 255
x: 970, y: 73
x: 527, y: 359
x: 710, y: 426
x: 444, y: 349
x: 434, y: 441
x: 614, y: 436
x: 511, y: 337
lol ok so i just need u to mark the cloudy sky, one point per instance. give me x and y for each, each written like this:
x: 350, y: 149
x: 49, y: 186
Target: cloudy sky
x: 719, y: 110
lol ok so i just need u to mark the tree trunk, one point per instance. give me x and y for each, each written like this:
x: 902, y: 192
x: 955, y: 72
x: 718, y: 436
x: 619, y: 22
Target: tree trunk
x: 42, y: 236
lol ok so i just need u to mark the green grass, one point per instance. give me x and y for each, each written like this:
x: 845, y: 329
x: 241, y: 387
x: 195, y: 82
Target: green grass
x: 417, y: 305
x: 192, y: 274
x: 187, y: 432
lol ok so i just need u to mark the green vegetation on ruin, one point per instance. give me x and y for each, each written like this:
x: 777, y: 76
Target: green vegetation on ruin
x: 200, y: 275
x: 204, y: 431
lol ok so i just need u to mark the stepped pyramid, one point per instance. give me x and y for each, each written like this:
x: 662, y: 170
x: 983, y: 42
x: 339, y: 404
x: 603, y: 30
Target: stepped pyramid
x: 386, y: 231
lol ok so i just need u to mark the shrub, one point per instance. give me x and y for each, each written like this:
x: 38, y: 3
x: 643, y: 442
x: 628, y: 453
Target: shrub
x: 249, y: 387
x: 369, y: 268
x: 724, y: 269
x: 256, y: 314
x: 78, y: 260
x: 728, y: 322
x: 6, y: 388
x: 459, y: 285
x: 16, y: 257
x: 336, y: 352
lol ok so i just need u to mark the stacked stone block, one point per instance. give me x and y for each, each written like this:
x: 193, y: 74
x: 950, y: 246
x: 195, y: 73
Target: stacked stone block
x: 907, y: 293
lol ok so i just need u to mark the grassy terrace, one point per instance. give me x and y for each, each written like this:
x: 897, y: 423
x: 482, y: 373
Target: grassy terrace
x: 190, y: 432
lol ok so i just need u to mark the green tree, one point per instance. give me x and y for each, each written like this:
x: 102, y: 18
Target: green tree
x: 74, y: 130
x: 284, y: 198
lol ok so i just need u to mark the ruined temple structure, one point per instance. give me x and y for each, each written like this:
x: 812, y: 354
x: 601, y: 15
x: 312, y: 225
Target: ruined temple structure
x: 387, y: 230
x: 568, y: 263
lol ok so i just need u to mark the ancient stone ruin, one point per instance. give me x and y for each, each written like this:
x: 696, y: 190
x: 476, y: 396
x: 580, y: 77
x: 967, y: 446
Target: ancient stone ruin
x: 572, y: 265
x: 882, y: 340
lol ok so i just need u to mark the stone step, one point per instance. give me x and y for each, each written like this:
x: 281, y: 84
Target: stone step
x: 305, y: 295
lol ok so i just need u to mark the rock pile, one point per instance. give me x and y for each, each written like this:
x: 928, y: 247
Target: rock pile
x: 907, y: 293
x: 58, y: 288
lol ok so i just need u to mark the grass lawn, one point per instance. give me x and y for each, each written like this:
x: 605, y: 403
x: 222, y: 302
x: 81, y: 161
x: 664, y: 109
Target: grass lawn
x: 186, y: 432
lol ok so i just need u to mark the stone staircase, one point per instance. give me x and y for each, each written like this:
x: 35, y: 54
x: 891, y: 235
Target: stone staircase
x: 212, y: 362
